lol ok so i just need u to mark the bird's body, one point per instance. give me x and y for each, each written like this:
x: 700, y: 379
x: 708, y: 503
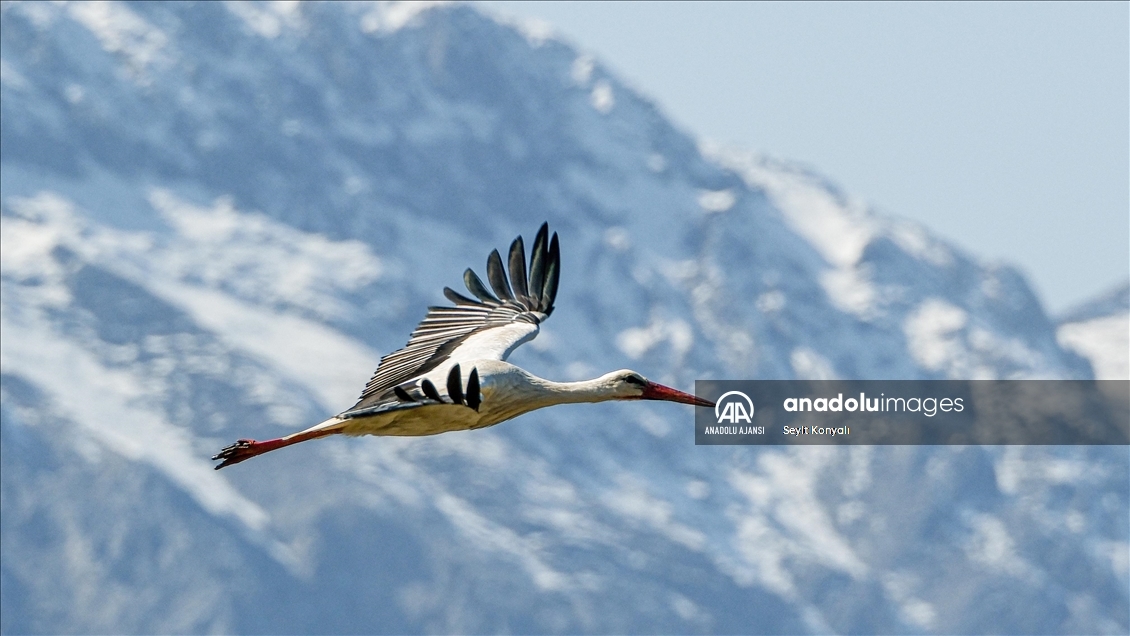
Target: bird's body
x: 453, y: 374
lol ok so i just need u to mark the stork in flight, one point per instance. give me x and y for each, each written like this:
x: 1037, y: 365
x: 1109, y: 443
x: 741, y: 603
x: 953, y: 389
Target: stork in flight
x: 453, y: 375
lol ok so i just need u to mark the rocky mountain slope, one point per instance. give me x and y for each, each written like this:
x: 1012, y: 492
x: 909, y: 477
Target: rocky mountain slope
x: 217, y: 217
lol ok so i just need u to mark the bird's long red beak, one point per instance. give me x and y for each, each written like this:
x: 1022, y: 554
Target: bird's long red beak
x: 653, y: 391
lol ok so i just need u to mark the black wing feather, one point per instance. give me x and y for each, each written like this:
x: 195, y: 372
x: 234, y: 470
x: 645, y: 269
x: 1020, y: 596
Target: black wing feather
x: 430, y: 390
x: 518, y: 268
x: 457, y: 298
x: 474, y: 397
x: 475, y: 286
x: 537, y: 260
x: 552, y: 277
x: 497, y: 277
x: 455, y: 385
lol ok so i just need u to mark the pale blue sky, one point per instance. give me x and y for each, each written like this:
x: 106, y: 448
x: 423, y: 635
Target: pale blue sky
x: 1002, y: 127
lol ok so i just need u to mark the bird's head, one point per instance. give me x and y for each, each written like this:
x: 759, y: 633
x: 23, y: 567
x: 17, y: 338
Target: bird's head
x: 629, y: 385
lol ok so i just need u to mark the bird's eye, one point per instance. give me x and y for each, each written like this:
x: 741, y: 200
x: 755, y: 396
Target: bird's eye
x: 634, y: 379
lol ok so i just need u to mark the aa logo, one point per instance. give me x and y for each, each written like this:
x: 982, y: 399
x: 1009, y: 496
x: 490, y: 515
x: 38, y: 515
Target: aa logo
x: 734, y: 407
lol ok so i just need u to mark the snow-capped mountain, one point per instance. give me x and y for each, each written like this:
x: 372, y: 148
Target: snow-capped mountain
x: 217, y: 217
x: 1100, y: 331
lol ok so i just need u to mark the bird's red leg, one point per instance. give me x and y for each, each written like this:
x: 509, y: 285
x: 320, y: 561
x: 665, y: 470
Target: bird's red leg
x: 247, y: 448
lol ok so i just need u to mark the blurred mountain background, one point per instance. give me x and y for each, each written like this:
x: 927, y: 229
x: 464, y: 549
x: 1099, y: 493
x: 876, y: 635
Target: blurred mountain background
x: 217, y: 217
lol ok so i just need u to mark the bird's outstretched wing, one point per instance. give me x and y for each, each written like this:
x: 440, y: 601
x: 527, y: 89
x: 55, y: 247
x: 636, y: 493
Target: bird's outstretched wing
x: 511, y: 314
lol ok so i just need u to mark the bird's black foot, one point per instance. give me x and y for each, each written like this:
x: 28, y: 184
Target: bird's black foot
x: 237, y: 452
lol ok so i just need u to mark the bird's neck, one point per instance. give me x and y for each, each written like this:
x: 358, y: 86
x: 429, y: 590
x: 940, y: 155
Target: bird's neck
x: 595, y: 390
x: 514, y: 391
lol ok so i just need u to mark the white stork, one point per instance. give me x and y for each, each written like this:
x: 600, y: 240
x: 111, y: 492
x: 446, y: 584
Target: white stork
x: 420, y: 389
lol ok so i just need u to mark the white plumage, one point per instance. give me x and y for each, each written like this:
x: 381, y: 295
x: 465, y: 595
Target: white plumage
x: 453, y: 375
